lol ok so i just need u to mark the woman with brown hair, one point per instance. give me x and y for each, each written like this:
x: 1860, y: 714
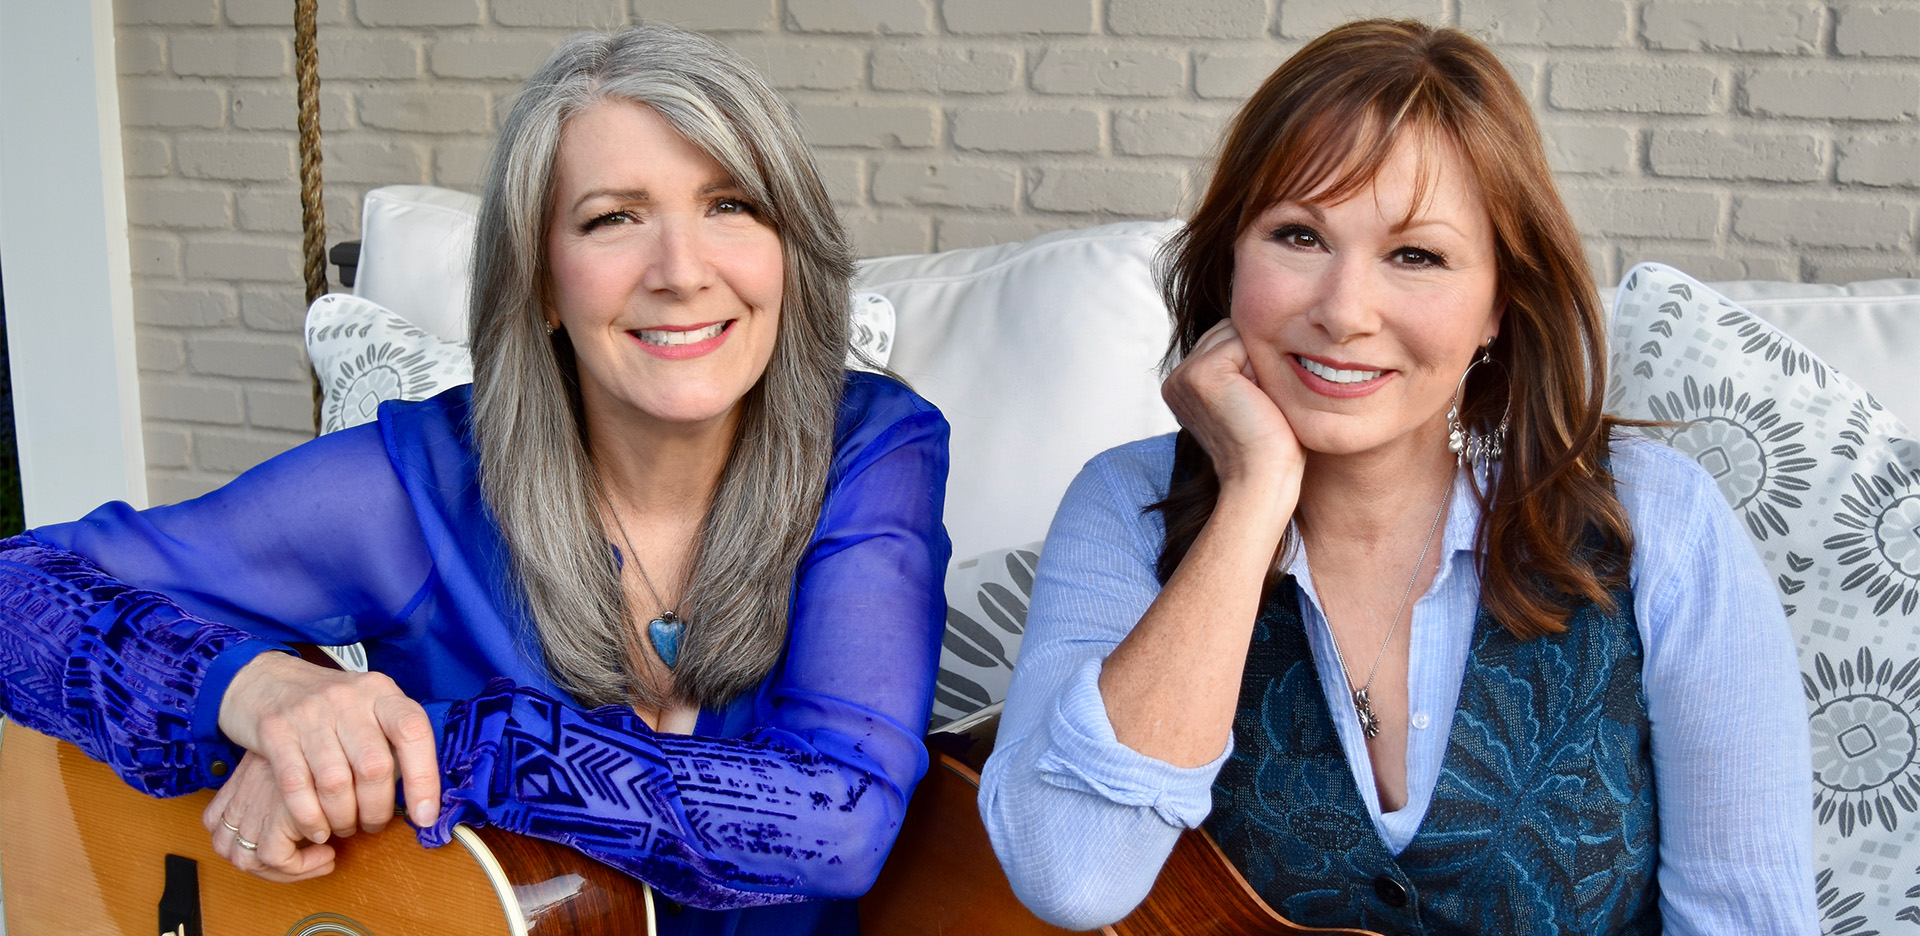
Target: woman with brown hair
x: 1396, y: 613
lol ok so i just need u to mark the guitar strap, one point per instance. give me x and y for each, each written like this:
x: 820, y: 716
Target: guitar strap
x: 1543, y: 819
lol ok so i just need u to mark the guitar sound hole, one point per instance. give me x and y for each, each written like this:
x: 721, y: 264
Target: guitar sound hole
x: 328, y: 924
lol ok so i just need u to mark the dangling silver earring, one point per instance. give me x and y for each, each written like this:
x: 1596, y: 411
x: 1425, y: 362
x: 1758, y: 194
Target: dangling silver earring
x: 551, y: 328
x: 1465, y: 445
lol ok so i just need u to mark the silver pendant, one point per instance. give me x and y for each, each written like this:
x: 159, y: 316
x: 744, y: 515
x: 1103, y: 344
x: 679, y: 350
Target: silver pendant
x: 1363, y: 707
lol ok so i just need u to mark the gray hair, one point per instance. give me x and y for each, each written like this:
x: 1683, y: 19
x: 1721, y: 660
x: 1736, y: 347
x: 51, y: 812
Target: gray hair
x: 534, y: 469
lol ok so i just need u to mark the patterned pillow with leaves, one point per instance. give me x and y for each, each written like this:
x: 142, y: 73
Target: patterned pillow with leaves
x: 365, y: 355
x: 1828, y: 485
x: 986, y: 619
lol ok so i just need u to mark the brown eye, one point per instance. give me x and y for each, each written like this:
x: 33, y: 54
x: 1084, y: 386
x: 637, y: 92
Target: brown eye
x: 1294, y: 235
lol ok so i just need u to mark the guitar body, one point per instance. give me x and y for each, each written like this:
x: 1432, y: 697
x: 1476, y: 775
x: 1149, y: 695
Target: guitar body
x: 83, y: 854
x: 942, y: 877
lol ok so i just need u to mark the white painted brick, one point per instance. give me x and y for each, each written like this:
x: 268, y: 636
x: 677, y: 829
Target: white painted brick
x: 1109, y: 72
x: 232, y: 55
x: 1821, y: 221
x: 882, y: 234
x: 1880, y: 162
x: 805, y: 64
x: 231, y: 257
x: 274, y: 407
x: 236, y: 159
x: 166, y: 12
x: 278, y: 307
x: 903, y: 125
x: 1560, y: 23
x: 192, y: 402
x: 1589, y: 149
x: 1635, y: 88
x: 232, y: 452
x: 360, y: 55
x: 1789, y: 28
x: 191, y: 306
x: 1165, y: 131
x: 1708, y: 267
x: 418, y: 12
x: 372, y: 161
x: 1305, y: 19
x: 945, y: 185
x: 280, y: 13
x: 1883, y: 31
x: 710, y: 15
x: 1017, y: 17
x: 277, y: 210
x: 276, y: 109
x: 176, y: 206
x: 1208, y: 19
x: 426, y: 109
x: 1777, y: 92
x: 1643, y: 212
x: 1525, y: 75
x: 1713, y: 154
x: 1601, y: 262
x: 166, y: 447
x: 172, y: 106
x: 1854, y: 268
x: 1048, y: 130
x: 1148, y: 193
x: 1230, y: 75
x: 844, y: 177
x: 139, y: 53
x: 160, y: 351
x: 146, y: 156
x: 278, y: 358
x: 944, y: 70
x: 461, y: 164
x: 155, y: 255
x: 962, y: 231
x: 883, y: 17
x: 511, y: 58
x: 560, y: 14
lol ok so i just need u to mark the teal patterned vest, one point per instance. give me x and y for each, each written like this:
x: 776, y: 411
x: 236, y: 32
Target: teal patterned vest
x: 1543, y: 818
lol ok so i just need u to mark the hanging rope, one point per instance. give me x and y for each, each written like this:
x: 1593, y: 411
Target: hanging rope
x: 313, y: 211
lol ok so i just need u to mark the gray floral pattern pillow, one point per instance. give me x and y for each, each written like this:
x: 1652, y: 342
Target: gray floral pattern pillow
x: 365, y: 355
x: 1828, y: 485
x: 987, y: 600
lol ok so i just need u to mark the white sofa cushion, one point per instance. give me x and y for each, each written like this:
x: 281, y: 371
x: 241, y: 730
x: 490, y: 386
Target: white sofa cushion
x: 1869, y: 331
x: 1828, y: 484
x: 1041, y: 354
x: 416, y: 255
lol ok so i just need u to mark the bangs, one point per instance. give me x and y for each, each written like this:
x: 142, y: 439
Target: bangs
x: 1333, y: 156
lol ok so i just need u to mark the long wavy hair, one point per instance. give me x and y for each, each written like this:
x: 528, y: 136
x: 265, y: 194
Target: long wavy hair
x: 1552, y: 532
x: 527, y: 421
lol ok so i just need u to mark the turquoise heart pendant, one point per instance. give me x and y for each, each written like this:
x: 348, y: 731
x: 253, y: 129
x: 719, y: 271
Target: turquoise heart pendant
x: 665, y: 632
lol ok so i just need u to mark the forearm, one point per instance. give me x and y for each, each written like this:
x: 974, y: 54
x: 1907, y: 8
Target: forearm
x: 712, y: 823
x: 1172, y: 684
x: 121, y: 672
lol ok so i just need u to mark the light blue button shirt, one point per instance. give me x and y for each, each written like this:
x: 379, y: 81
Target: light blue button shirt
x: 1082, y: 823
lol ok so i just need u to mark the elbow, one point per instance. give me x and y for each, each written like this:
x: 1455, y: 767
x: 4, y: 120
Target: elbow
x: 1065, y: 886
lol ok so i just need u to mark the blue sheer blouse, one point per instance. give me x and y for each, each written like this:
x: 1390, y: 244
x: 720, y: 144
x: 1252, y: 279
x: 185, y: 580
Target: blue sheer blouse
x: 379, y: 534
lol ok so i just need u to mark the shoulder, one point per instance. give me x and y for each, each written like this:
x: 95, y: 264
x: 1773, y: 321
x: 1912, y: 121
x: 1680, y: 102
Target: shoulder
x: 430, y: 441
x: 1110, y: 496
x: 1663, y: 490
x: 880, y: 412
x: 1138, y: 471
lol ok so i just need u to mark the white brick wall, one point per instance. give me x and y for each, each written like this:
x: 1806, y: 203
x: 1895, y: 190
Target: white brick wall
x: 1750, y: 138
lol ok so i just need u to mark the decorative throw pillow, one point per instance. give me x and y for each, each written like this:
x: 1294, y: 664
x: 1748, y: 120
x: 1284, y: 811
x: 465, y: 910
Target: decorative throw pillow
x: 1828, y: 485
x: 365, y: 355
x: 986, y: 620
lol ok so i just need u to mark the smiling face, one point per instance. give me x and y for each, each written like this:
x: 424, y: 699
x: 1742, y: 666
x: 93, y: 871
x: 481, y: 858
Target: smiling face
x: 665, y: 277
x: 1360, y: 316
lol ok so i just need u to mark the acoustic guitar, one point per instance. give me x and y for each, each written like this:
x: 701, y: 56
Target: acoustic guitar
x: 83, y: 854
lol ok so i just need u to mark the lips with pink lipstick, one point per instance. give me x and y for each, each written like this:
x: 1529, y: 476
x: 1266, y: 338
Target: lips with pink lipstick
x: 1337, y: 378
x: 679, y: 342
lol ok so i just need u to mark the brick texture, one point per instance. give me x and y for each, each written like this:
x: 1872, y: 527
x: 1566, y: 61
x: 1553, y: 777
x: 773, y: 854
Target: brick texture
x: 1732, y: 138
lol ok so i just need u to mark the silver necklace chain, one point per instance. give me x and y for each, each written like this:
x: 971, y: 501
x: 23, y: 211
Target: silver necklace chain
x: 666, y: 614
x: 1362, y: 698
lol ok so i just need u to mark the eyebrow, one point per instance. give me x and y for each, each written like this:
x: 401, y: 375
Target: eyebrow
x: 643, y: 195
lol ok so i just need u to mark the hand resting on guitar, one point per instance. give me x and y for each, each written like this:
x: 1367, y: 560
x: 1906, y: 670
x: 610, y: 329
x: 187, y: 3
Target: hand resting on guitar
x: 252, y: 808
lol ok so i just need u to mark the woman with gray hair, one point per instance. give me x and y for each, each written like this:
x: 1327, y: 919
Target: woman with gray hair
x: 663, y: 496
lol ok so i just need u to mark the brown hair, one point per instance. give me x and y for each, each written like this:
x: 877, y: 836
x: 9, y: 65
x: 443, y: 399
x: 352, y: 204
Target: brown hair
x: 1552, y: 531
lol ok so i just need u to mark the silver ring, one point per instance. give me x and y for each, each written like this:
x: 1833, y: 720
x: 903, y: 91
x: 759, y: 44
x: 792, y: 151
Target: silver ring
x: 238, y: 839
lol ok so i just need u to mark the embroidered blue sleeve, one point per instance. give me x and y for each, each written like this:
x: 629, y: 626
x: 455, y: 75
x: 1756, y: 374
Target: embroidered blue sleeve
x: 117, y: 670
x: 691, y: 816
